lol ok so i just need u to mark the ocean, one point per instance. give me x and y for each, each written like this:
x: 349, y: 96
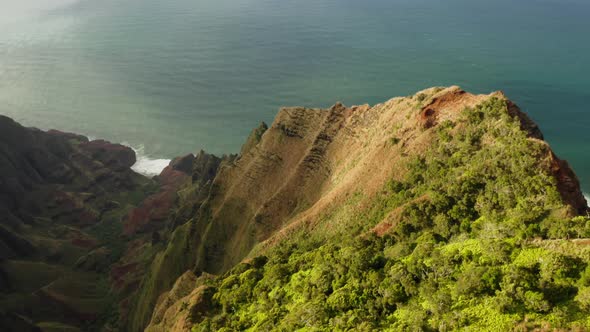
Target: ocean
x: 176, y: 76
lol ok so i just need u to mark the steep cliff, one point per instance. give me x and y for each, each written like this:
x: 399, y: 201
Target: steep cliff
x: 61, y: 201
x: 437, y: 211
x: 328, y: 174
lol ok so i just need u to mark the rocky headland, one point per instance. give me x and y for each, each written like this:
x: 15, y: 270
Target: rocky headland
x: 270, y: 239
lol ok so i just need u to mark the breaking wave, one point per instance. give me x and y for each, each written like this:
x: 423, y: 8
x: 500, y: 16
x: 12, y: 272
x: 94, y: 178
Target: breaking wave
x: 145, y: 164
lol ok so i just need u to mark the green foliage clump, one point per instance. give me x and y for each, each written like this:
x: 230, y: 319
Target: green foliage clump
x: 471, y: 249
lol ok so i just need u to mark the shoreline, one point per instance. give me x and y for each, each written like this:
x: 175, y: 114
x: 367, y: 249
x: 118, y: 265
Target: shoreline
x: 145, y: 165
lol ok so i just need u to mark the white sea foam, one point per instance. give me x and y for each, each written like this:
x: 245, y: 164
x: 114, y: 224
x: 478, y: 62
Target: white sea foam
x: 587, y: 197
x: 146, y: 165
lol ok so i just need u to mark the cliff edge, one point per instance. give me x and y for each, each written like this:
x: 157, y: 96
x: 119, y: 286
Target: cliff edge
x: 443, y: 210
x: 322, y: 173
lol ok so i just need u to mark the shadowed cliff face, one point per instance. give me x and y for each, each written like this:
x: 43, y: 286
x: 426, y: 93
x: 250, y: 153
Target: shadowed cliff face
x: 61, y: 200
x: 309, y: 165
x: 53, y: 175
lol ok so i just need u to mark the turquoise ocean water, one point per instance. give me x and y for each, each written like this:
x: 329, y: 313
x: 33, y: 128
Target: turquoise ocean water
x: 175, y: 76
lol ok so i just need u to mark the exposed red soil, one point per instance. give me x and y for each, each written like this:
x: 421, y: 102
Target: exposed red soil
x: 429, y: 113
x: 568, y: 184
x: 155, y: 209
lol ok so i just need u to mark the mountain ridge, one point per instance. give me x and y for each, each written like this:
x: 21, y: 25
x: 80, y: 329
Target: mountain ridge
x: 309, y: 161
x: 215, y: 237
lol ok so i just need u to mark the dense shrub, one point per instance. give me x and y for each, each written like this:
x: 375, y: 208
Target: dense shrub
x: 468, y: 249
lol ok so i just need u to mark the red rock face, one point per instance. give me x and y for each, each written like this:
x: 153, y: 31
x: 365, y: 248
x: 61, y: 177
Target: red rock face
x: 429, y: 113
x: 155, y: 209
x: 151, y: 214
x: 568, y: 185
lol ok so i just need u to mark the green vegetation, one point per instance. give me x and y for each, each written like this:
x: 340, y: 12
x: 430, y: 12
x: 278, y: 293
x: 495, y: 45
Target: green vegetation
x: 56, y: 327
x: 478, y: 241
x: 166, y: 267
x: 50, y: 287
x: 28, y: 276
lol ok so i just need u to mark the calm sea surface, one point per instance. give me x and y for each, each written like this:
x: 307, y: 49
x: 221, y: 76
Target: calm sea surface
x: 177, y: 76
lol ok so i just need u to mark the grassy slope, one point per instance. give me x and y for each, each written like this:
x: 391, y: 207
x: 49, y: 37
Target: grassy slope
x: 165, y: 268
x: 467, y: 229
